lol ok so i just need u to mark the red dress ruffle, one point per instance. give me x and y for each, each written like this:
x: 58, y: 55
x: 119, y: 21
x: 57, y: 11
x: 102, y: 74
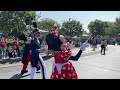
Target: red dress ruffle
x: 67, y: 70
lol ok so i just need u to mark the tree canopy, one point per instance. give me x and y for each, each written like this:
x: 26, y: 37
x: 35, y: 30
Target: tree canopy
x: 14, y: 22
x: 71, y: 28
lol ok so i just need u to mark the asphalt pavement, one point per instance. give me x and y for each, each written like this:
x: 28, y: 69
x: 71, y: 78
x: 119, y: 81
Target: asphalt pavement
x: 91, y: 65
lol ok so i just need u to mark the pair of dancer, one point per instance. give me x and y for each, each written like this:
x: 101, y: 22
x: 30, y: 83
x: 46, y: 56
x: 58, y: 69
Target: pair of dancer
x: 32, y: 54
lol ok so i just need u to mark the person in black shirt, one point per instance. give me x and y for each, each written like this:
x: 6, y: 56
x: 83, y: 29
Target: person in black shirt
x: 49, y: 40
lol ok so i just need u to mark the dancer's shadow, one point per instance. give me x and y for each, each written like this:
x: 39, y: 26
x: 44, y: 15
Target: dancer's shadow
x: 19, y: 76
x: 46, y: 57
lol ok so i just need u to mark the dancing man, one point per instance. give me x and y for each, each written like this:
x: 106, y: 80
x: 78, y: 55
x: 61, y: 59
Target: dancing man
x: 36, y: 60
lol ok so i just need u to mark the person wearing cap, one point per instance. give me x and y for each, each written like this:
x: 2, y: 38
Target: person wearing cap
x: 36, y: 60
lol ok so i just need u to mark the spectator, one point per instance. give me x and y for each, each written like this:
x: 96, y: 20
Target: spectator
x: 12, y: 53
x: 94, y: 43
x: 3, y: 46
x: 16, y: 46
x: 103, y: 46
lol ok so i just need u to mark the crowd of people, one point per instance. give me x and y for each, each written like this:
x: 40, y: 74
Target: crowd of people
x: 9, y: 51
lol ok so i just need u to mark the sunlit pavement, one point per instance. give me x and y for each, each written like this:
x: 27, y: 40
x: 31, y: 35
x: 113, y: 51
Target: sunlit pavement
x: 89, y: 66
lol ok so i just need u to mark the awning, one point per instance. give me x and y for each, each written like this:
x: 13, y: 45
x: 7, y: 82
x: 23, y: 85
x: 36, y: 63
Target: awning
x: 74, y: 37
x: 43, y: 31
x: 85, y: 35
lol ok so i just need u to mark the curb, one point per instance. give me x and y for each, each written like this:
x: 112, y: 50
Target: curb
x: 20, y: 64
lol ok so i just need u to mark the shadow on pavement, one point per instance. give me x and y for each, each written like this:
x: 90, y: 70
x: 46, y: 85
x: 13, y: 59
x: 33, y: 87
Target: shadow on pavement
x: 18, y: 76
x: 13, y: 60
x: 10, y: 61
x: 47, y: 57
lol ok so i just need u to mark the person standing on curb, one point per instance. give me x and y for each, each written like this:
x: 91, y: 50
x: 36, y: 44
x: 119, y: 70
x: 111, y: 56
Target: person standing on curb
x: 3, y: 45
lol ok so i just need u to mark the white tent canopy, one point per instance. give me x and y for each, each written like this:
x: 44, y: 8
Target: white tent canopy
x: 74, y: 37
x: 43, y: 31
x: 85, y: 35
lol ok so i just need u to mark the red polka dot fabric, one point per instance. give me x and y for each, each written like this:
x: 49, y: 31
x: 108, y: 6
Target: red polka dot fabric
x: 68, y: 71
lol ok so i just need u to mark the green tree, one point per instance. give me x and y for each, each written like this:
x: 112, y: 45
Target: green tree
x: 14, y: 22
x: 46, y: 24
x: 117, y: 25
x: 97, y: 27
x: 113, y: 28
x: 71, y: 28
x: 110, y: 30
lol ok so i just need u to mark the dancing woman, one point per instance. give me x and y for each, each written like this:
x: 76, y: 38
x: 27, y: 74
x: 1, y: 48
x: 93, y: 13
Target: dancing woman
x: 62, y: 67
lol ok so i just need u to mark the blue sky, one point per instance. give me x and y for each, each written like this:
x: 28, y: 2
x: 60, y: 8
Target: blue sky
x: 83, y: 16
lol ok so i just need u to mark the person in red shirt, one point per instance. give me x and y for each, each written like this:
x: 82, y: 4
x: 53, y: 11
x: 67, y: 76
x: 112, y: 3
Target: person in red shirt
x: 16, y: 46
x: 3, y: 46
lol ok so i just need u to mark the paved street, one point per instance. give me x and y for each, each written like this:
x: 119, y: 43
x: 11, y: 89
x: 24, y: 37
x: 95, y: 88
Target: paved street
x: 92, y: 65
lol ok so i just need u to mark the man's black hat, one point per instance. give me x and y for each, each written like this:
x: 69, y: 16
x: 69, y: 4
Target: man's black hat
x: 35, y: 30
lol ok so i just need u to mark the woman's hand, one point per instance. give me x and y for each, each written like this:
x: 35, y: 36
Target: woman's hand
x: 84, y: 45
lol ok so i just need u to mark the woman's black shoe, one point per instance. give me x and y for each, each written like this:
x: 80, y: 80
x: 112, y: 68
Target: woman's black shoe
x: 22, y: 72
